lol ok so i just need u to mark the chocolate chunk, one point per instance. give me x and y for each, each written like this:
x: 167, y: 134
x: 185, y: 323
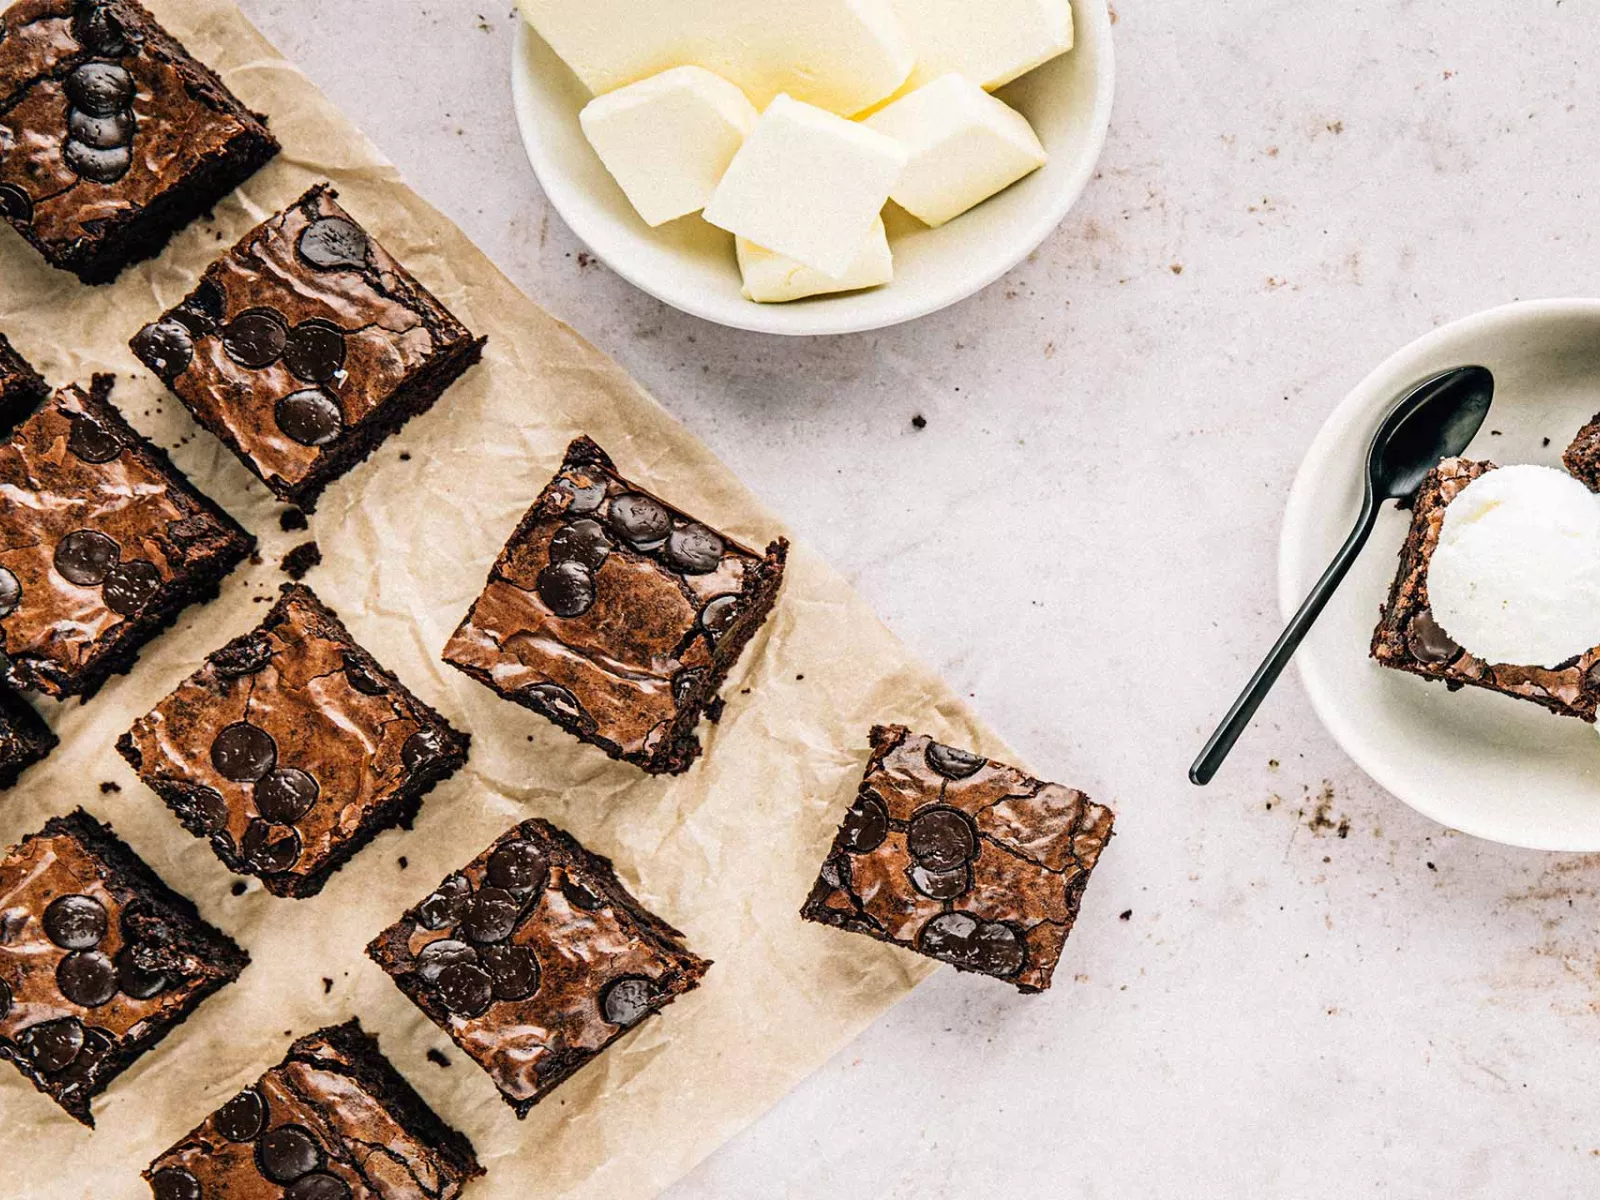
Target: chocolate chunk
x: 206, y: 805
x: 318, y: 1186
x: 567, y: 588
x: 642, y: 522
x: 435, y: 957
x: 243, y: 656
x: 98, y: 30
x: 942, y: 839
x: 135, y: 981
x: 16, y: 204
x: 92, y: 441
x: 87, y: 978
x: 174, y: 1183
x: 333, y: 243
x: 513, y: 971
x: 85, y: 557
x: 491, y: 916
x: 583, y: 542
x: 940, y: 885
x: 865, y: 825
x: 167, y: 346
x: 465, y: 989
x: 953, y: 763
x: 961, y: 939
x: 719, y: 614
x: 363, y: 676
x: 243, y: 1118
x: 52, y: 1045
x: 586, y: 499
x: 556, y: 703
x: 628, y: 1000
x: 101, y: 133
x: 1428, y: 642
x: 271, y: 849
x: 100, y: 88
x: 311, y: 418
x: 244, y: 753
x: 130, y: 586
x: 423, y: 748
x: 315, y: 351
x: 256, y: 338
x: 286, y: 1153
x: 286, y: 795
x: 81, y: 1072
x: 694, y: 550
x: 5, y: 999
x: 581, y: 897
x: 75, y: 922
x: 684, y: 684
x: 97, y: 166
x: 444, y: 908
x: 518, y: 867
x: 10, y: 593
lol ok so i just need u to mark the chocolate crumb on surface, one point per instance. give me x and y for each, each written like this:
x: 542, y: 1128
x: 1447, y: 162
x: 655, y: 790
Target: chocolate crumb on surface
x: 298, y: 563
x: 438, y: 1057
x: 292, y: 520
x: 109, y: 788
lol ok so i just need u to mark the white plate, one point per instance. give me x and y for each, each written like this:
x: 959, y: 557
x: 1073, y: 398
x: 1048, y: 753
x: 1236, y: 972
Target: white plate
x: 691, y: 266
x: 1487, y: 765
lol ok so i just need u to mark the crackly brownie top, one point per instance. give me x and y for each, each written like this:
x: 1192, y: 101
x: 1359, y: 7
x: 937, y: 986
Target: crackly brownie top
x: 85, y: 961
x: 93, y: 526
x: 309, y: 1129
x: 297, y: 336
x: 534, y: 957
x: 101, y: 112
x: 966, y: 859
x: 606, y: 607
x: 285, y: 739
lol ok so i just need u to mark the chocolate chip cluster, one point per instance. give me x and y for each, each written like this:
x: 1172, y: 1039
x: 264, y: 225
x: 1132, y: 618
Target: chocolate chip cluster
x: 100, y: 119
x: 288, y: 1155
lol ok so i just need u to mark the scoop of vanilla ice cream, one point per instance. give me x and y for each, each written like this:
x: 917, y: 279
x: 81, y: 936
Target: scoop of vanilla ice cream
x: 1515, y: 578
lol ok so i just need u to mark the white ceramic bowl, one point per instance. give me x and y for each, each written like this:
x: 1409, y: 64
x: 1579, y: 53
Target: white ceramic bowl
x: 691, y: 266
x: 1485, y: 764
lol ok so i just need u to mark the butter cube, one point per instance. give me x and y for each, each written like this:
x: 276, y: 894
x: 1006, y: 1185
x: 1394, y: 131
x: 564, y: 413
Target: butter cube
x: 842, y: 55
x: 774, y: 279
x: 808, y: 185
x: 991, y: 42
x: 964, y: 146
x: 668, y: 139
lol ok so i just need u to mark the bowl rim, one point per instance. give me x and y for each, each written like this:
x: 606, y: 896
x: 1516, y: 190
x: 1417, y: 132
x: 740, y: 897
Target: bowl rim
x: 1359, y: 411
x: 812, y: 320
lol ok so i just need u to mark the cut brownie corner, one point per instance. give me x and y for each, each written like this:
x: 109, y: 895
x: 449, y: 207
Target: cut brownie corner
x: 24, y: 737
x: 1582, y: 458
x: 22, y: 389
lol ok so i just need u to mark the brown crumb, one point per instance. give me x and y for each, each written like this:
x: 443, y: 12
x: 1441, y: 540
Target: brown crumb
x: 108, y: 788
x: 437, y: 1058
x: 327, y: 986
x: 1126, y: 916
x: 1176, y: 268
x: 404, y: 862
x: 240, y: 887
x: 292, y: 520
x: 298, y: 562
x: 919, y: 422
x: 405, y: 456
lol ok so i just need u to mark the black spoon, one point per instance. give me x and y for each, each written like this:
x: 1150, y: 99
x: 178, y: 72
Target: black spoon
x: 1435, y: 420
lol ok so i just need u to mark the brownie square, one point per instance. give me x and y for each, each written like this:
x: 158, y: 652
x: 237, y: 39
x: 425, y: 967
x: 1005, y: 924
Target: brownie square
x: 305, y: 346
x: 21, y: 388
x: 535, y: 958
x: 102, y: 544
x: 112, y: 138
x: 291, y: 748
x: 332, y: 1121
x: 1582, y: 458
x: 616, y: 615
x: 24, y: 738
x: 99, y: 960
x: 961, y: 859
x: 1409, y: 639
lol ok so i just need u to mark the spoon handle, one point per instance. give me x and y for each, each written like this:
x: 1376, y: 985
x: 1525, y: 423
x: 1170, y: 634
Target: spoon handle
x: 1244, y: 708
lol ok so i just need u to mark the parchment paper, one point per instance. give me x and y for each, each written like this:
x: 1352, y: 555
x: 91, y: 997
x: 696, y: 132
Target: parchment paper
x: 727, y: 852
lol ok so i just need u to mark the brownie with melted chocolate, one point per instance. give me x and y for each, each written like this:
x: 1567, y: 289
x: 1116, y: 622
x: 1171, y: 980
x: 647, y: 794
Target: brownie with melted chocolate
x: 1409, y: 639
x: 534, y: 958
x: 24, y: 738
x: 291, y: 748
x: 305, y: 346
x: 112, y: 136
x: 21, y: 388
x: 616, y: 615
x: 1582, y: 458
x: 102, y: 544
x: 962, y: 859
x: 333, y: 1121
x: 99, y: 960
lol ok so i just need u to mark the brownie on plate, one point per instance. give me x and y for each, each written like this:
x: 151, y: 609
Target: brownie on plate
x: 615, y: 615
x: 24, y: 738
x: 535, y: 958
x: 99, y: 960
x: 112, y: 138
x: 102, y: 544
x: 1409, y: 639
x: 305, y: 346
x: 21, y: 388
x: 333, y: 1121
x: 962, y: 859
x: 291, y: 748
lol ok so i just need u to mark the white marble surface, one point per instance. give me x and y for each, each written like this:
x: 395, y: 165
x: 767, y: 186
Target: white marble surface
x: 1317, y: 993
